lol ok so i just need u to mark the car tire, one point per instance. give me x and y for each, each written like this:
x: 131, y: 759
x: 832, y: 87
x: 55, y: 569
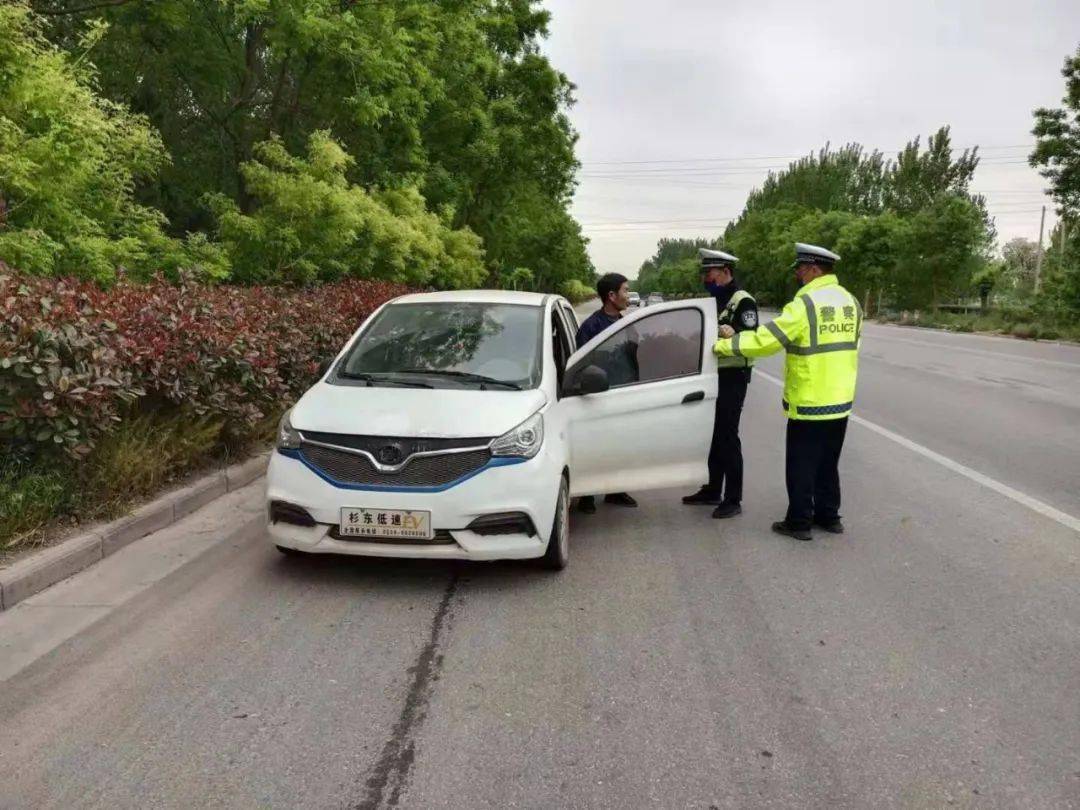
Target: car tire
x: 558, y: 549
x: 289, y: 552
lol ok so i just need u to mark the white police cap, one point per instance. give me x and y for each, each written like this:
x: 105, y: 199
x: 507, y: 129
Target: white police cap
x: 715, y: 258
x: 812, y: 254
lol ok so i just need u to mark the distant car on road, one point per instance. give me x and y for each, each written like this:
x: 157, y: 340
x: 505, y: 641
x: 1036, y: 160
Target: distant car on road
x: 457, y: 425
x: 654, y: 299
x: 635, y: 299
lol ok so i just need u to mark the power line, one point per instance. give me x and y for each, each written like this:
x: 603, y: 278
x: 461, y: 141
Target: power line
x: 770, y: 157
x: 688, y: 171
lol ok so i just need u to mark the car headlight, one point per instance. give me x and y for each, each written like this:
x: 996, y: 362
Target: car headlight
x: 523, y: 441
x: 287, y: 437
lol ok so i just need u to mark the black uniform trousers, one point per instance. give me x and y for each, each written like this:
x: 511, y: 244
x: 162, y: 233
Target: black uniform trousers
x: 813, y: 477
x: 725, y: 452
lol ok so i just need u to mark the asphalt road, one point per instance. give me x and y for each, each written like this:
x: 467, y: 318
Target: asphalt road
x: 930, y: 657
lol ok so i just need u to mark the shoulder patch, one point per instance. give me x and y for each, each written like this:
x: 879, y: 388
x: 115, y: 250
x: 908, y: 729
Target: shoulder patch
x: 749, y: 318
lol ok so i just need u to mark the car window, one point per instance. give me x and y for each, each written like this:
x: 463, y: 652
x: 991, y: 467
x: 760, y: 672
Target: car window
x: 450, y: 344
x: 657, y: 347
x: 562, y: 343
x: 571, y: 319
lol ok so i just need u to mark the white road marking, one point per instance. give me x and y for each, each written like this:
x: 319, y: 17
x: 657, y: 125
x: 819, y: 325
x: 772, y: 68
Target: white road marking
x: 874, y: 334
x: 1031, y: 503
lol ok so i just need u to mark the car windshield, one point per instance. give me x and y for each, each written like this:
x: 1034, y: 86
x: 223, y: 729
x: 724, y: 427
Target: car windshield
x: 449, y: 345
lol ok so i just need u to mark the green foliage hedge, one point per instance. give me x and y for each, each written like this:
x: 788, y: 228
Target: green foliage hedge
x: 76, y: 359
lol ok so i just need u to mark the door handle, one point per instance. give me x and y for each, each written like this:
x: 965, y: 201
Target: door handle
x: 697, y: 396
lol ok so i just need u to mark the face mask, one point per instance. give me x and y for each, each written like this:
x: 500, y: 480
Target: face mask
x: 713, y: 288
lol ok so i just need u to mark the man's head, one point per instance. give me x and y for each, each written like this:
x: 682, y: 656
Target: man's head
x: 812, y: 262
x: 718, y: 275
x: 614, y: 291
x: 717, y: 268
x: 805, y: 272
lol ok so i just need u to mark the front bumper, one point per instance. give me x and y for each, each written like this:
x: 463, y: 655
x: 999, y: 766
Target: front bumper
x: 531, y: 487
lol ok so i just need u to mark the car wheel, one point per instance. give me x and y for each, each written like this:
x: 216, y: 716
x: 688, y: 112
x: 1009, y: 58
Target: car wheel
x: 289, y: 552
x: 558, y: 548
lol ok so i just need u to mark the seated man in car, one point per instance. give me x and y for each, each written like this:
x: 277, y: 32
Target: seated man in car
x: 614, y: 291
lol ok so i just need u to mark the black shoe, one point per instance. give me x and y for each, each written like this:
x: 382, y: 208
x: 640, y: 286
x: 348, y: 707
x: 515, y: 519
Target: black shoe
x: 781, y: 527
x: 703, y: 497
x: 727, y: 510
x: 830, y: 526
x: 620, y: 499
x: 587, y: 505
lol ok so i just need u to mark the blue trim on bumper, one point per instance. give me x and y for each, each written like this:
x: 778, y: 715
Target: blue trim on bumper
x: 495, y: 462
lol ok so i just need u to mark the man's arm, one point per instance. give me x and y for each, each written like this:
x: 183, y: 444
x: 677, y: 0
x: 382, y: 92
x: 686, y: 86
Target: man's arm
x: 768, y: 339
x: 746, y: 316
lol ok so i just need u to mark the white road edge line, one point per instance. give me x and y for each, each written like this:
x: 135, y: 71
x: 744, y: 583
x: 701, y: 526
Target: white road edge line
x: 875, y: 335
x: 1033, y: 504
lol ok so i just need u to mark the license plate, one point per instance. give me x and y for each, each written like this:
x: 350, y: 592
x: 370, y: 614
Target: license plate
x: 397, y: 524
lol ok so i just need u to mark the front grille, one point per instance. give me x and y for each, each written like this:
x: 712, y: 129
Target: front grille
x: 423, y: 471
x: 405, y: 446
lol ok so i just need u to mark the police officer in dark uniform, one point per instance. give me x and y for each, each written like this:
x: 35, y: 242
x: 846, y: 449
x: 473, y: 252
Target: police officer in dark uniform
x: 737, y: 309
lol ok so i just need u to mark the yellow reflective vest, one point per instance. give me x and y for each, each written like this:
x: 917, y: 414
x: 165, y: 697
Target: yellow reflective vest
x: 820, y: 330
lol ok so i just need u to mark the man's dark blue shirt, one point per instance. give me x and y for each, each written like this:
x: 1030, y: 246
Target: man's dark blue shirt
x: 594, y: 325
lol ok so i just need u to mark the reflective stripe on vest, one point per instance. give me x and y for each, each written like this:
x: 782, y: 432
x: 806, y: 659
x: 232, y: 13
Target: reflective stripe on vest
x: 820, y: 410
x: 724, y: 317
x: 727, y: 312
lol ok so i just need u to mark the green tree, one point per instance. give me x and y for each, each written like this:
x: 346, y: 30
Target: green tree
x: 869, y: 246
x: 847, y: 179
x: 674, y: 268
x: 874, y: 213
x: 310, y: 224
x: 1057, y: 144
x: 1057, y: 155
x: 1020, y: 257
x: 69, y: 165
x: 942, y: 249
x: 920, y: 177
x: 452, y: 98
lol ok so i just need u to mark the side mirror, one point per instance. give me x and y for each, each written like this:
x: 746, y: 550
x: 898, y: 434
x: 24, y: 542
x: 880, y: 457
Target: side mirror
x: 591, y: 380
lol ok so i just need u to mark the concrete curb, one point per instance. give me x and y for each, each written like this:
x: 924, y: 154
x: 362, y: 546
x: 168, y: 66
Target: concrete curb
x: 37, y: 572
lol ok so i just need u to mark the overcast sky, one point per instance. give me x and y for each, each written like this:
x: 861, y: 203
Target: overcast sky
x: 684, y: 105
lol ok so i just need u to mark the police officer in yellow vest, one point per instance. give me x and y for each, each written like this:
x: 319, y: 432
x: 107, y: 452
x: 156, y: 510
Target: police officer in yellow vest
x: 820, y: 330
x: 737, y: 309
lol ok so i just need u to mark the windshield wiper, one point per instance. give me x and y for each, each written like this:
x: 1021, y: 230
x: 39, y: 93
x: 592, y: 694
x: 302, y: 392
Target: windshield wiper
x: 372, y: 379
x: 463, y: 375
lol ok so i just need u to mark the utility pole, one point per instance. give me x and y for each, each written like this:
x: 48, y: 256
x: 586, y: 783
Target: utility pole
x: 1039, y: 256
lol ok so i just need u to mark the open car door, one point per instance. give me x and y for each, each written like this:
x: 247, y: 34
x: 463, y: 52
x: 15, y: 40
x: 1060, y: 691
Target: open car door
x: 639, y: 401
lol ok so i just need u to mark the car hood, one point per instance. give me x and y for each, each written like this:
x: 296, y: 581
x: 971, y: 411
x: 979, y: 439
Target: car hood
x: 407, y: 412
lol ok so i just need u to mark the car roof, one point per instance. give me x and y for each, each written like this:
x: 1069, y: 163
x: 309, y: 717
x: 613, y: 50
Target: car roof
x: 529, y: 299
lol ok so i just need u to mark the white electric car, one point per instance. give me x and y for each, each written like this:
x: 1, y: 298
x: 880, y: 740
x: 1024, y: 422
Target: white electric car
x: 458, y: 425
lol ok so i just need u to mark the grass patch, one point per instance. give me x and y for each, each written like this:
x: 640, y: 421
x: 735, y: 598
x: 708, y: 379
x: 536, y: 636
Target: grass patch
x: 30, y: 498
x: 1020, y: 323
x: 142, y: 456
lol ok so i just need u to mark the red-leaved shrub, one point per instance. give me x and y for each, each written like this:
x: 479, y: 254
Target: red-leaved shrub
x: 73, y: 355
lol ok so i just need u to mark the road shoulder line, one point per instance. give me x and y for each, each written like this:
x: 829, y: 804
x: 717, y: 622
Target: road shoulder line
x: 1034, y: 504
